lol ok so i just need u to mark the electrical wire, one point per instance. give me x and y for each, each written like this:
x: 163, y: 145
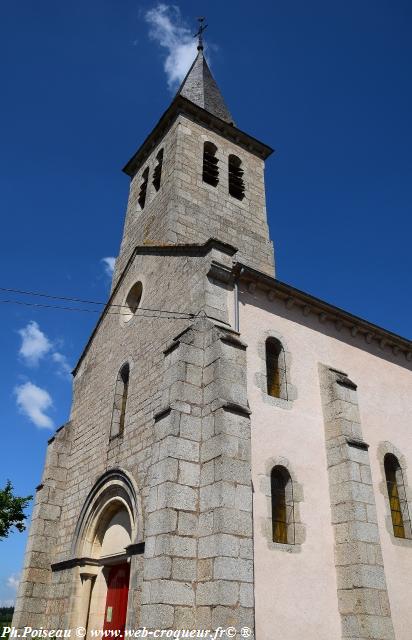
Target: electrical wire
x: 68, y: 299
x: 182, y: 316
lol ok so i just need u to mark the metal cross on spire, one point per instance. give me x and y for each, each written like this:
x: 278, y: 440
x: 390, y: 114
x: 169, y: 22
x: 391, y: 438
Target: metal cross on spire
x: 199, y: 34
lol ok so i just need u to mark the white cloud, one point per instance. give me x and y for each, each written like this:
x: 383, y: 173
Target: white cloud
x: 109, y: 266
x: 170, y: 32
x: 33, y: 402
x: 64, y: 369
x: 35, y: 344
x: 13, y: 581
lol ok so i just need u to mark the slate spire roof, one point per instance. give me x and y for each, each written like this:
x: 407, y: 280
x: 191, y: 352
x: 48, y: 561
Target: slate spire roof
x: 200, y: 87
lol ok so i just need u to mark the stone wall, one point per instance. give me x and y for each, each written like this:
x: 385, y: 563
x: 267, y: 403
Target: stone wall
x: 35, y: 599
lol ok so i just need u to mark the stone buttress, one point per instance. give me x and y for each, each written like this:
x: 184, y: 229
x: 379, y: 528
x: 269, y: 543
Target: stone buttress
x: 362, y: 592
x: 198, y: 569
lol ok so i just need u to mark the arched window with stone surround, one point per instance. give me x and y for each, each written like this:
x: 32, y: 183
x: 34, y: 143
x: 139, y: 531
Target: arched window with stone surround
x: 397, y: 496
x: 120, y: 401
x: 275, y: 369
x: 283, y: 527
x: 210, y: 172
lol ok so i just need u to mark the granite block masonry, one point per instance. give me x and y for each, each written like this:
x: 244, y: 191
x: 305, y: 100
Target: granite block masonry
x: 362, y: 591
x: 199, y: 520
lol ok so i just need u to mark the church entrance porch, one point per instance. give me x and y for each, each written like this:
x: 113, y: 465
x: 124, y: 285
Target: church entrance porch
x: 107, y: 538
x: 109, y: 592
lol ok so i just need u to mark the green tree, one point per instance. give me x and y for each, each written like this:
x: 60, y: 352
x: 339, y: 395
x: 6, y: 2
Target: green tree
x: 11, y: 510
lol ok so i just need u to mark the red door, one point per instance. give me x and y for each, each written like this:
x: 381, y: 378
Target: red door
x: 116, y: 601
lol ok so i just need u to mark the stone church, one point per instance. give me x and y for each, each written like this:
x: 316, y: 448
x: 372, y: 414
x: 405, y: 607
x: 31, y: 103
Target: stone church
x: 238, y: 451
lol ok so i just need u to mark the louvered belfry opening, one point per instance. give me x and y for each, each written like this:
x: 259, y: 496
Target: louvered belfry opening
x: 236, y: 184
x: 210, y: 162
x: 282, y: 506
x: 397, y: 496
x: 157, y: 173
x: 143, y: 188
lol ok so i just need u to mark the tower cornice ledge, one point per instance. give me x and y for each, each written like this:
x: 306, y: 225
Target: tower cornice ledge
x: 308, y: 304
x: 182, y: 106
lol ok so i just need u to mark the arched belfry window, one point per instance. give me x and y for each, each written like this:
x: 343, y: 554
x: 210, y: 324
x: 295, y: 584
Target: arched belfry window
x: 210, y: 164
x: 275, y: 369
x: 143, y: 188
x: 157, y: 173
x: 397, y: 497
x: 283, y: 526
x: 236, y: 184
x: 120, y: 401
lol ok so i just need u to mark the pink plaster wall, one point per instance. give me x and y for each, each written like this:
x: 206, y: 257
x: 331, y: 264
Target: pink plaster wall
x: 296, y: 592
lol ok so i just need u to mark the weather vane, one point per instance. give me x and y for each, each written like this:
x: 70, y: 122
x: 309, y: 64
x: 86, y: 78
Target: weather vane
x: 199, y: 34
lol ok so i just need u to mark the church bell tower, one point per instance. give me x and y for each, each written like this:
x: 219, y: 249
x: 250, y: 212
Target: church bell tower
x: 198, y: 176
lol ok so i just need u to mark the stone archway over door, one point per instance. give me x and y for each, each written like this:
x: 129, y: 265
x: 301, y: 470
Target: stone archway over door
x: 110, y: 523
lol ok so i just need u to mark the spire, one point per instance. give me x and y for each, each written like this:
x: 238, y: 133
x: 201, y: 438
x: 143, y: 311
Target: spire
x: 200, y: 87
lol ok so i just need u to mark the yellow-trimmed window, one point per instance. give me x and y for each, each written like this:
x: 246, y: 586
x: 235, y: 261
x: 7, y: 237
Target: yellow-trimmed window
x: 274, y: 367
x: 396, y: 494
x: 282, y: 506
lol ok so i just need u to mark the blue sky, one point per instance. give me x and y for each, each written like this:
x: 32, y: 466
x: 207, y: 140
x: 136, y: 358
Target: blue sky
x: 325, y: 83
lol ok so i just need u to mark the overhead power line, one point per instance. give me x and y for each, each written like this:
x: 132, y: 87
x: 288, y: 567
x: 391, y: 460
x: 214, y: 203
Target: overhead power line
x: 159, y: 312
x: 82, y: 301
